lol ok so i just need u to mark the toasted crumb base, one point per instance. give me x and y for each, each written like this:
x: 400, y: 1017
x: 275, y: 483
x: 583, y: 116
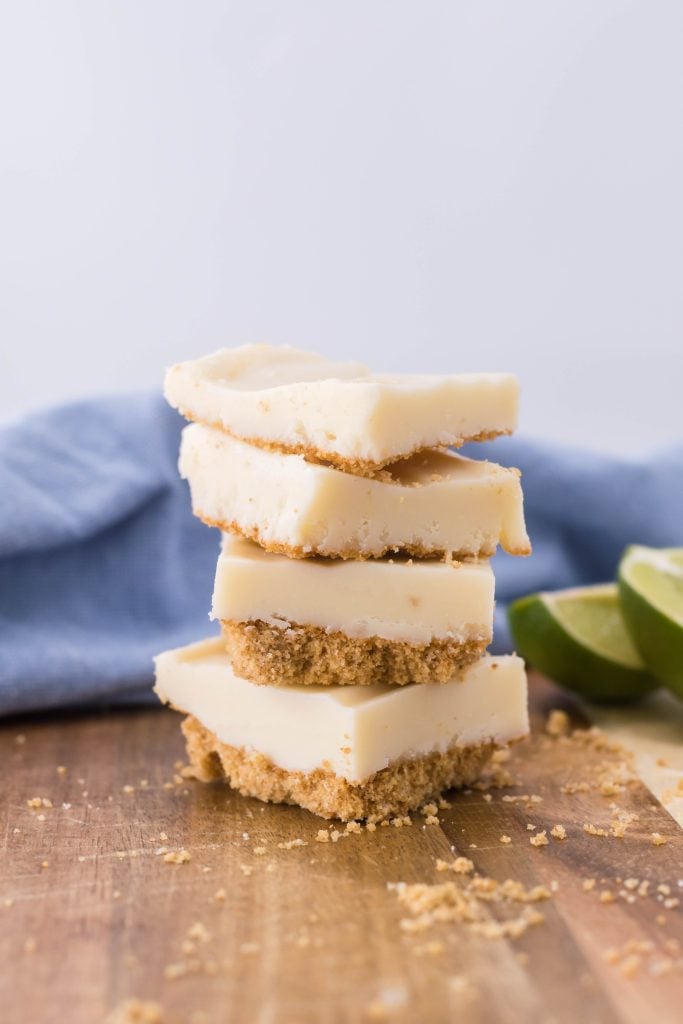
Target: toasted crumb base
x: 402, y: 787
x: 356, y: 467
x: 308, y: 655
x: 296, y: 551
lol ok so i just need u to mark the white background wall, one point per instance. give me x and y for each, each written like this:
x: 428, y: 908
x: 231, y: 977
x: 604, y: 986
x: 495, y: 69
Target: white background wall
x: 443, y: 186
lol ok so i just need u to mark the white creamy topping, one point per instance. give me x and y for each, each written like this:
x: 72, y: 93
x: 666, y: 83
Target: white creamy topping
x: 397, y: 599
x: 296, y: 399
x: 355, y: 731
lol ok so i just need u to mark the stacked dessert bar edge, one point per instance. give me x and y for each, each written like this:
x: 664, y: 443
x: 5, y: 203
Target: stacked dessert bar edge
x: 353, y: 587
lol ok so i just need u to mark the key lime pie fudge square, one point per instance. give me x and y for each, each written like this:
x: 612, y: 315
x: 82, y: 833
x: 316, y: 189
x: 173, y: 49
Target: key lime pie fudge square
x: 353, y: 587
x: 341, y: 413
x: 327, y: 621
x: 431, y: 504
x: 343, y: 752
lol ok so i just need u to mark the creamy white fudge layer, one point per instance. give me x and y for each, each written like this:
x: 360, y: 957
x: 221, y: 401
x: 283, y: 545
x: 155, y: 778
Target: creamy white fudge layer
x: 397, y: 599
x: 355, y: 731
x: 300, y: 401
x: 433, y: 502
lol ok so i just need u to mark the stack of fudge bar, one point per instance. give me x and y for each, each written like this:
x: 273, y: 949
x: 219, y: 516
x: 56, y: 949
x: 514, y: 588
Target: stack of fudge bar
x: 353, y: 585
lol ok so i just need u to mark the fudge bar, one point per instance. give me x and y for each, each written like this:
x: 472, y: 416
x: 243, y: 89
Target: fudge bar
x: 431, y: 504
x: 295, y: 401
x: 339, y: 751
x: 328, y: 621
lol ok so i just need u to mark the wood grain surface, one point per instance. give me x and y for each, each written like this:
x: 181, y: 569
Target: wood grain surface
x: 93, y: 915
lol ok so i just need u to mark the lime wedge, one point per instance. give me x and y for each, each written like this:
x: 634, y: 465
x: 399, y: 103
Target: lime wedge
x: 578, y: 638
x: 651, y: 591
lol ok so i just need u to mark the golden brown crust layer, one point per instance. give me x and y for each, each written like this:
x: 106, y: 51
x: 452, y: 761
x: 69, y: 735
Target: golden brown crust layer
x: 292, y: 551
x: 402, y: 787
x: 308, y: 655
x: 356, y: 467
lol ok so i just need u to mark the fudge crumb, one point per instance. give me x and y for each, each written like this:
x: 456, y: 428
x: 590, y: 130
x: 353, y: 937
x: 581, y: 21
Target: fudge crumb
x: 291, y: 843
x: 246, y: 870
x: 377, y: 1010
x: 429, y: 810
x: 432, y: 819
x: 250, y: 948
x: 461, y: 865
x: 353, y: 827
x: 606, y: 896
x: 621, y: 822
x: 541, y: 839
x: 174, y: 971
x: 129, y: 789
x: 259, y: 851
x: 177, y: 857
x: 432, y: 948
x: 557, y: 723
x: 462, y: 987
x: 136, y: 1011
x: 504, y: 839
x: 370, y: 826
x: 658, y: 840
x: 322, y: 836
x: 220, y: 895
x: 37, y: 802
x: 558, y: 832
x: 61, y: 770
x: 631, y: 965
x: 448, y: 902
x: 592, y: 830
x: 198, y: 932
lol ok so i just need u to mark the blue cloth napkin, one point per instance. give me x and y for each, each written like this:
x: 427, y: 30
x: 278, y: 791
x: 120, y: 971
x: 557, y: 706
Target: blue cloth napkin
x: 102, y: 564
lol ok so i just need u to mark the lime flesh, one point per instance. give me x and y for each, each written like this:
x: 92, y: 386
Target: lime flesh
x: 578, y: 638
x: 651, y: 591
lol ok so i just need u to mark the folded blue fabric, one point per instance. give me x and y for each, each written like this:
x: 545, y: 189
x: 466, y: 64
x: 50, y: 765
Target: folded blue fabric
x: 102, y: 564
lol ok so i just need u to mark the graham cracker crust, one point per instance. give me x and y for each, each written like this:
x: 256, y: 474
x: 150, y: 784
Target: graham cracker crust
x: 398, y: 789
x: 324, y: 456
x: 297, y: 551
x: 310, y: 655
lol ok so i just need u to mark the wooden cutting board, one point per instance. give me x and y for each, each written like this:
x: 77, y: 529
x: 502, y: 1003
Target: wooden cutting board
x: 92, y: 914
